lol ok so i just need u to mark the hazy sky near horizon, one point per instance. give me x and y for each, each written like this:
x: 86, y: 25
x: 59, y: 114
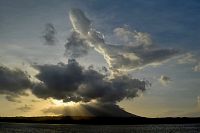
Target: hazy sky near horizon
x: 155, y: 41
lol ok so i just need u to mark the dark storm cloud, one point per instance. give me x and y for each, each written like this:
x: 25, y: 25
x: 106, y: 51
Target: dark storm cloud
x: 71, y: 82
x: 49, y: 34
x: 91, y: 109
x: 76, y: 46
x: 58, y: 80
x: 13, y: 83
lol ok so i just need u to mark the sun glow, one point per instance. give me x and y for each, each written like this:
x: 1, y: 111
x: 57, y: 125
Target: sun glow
x: 61, y: 103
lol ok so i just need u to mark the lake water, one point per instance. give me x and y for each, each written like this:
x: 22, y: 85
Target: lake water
x: 62, y: 128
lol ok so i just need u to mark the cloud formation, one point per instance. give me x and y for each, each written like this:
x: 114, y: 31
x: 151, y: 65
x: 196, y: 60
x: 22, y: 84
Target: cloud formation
x: 136, y: 52
x: 187, y: 58
x: 134, y: 38
x: 13, y: 83
x: 49, y: 34
x: 25, y: 108
x: 76, y: 46
x: 13, y: 98
x: 196, y: 68
x: 164, y: 80
x: 71, y: 82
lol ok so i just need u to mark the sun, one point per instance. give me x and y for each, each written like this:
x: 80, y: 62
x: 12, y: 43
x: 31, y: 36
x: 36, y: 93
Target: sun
x: 61, y: 103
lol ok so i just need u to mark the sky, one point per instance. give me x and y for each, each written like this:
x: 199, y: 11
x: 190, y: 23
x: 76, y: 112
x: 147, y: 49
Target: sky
x: 97, y: 57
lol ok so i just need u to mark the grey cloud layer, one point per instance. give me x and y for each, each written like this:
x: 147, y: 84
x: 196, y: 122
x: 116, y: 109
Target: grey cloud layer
x: 13, y: 83
x: 71, y: 82
x: 136, y: 52
x: 76, y: 46
x: 49, y: 34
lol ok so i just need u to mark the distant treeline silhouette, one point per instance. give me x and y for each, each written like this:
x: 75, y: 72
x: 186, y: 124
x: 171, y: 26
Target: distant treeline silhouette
x: 100, y: 120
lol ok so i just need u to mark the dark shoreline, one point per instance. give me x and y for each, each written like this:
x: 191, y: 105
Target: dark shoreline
x: 100, y: 120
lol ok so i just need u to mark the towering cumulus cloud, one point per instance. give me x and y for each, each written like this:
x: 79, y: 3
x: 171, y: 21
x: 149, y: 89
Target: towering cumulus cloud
x: 138, y: 50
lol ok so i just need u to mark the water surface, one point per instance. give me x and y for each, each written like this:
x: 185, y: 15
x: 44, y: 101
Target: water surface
x: 67, y: 128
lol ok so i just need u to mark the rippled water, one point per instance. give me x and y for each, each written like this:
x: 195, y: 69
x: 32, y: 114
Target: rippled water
x: 62, y: 128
